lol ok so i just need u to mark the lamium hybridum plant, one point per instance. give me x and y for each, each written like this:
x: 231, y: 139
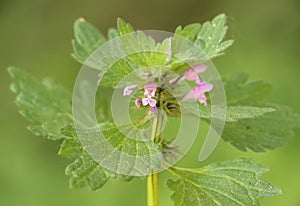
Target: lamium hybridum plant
x: 159, y: 81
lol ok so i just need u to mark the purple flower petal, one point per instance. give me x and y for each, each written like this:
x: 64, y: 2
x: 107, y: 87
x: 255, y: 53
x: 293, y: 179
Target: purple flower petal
x: 149, y: 100
x: 150, y: 89
x: 128, y: 90
x: 148, y: 76
x: 152, y: 102
x: 153, y: 109
x: 138, y: 102
x: 192, y: 73
x: 198, y: 92
x: 145, y: 101
x: 199, y: 68
x: 203, y: 86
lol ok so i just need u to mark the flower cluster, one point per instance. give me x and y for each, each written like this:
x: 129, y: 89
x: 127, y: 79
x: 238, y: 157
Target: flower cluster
x: 191, y: 74
x: 149, y: 92
x: 202, y: 87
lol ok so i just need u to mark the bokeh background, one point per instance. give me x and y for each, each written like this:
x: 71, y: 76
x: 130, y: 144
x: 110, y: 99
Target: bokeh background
x: 36, y: 35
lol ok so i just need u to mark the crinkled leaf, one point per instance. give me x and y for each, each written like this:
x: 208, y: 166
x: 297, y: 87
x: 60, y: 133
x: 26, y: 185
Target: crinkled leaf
x: 234, y: 183
x: 84, y: 171
x: 240, y: 91
x: 189, y: 32
x: 87, y: 39
x: 142, y: 50
x: 46, y: 105
x: 124, y: 27
x: 233, y: 113
x: 269, y: 131
x: 125, y: 148
x: 143, y: 56
x: 211, y: 36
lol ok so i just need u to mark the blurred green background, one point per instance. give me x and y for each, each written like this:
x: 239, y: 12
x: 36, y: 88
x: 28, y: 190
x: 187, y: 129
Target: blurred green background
x: 36, y: 36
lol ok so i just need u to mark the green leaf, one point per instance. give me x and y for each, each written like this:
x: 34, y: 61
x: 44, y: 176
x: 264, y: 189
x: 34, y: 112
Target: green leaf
x: 239, y: 91
x: 47, y: 105
x: 269, y: 131
x: 211, y: 36
x: 84, y: 171
x: 234, y: 183
x: 87, y: 39
x: 233, y: 113
x: 124, y: 27
x: 143, y: 56
x: 189, y: 32
x: 112, y: 33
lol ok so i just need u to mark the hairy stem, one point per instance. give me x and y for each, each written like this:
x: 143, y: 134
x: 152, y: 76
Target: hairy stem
x: 152, y: 179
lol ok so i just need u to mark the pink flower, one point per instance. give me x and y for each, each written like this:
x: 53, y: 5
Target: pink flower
x: 153, y: 109
x: 148, y: 76
x: 128, y: 90
x: 192, y: 73
x: 138, y: 102
x: 198, y: 92
x: 150, y: 89
x: 149, y: 100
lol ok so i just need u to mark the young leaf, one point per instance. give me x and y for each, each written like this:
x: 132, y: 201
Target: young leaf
x: 124, y: 27
x: 189, y: 32
x: 46, y: 105
x: 211, y: 36
x: 112, y: 33
x: 87, y: 39
x: 234, y: 183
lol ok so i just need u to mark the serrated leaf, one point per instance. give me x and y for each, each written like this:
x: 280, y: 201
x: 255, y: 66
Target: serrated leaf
x: 143, y: 56
x: 233, y: 113
x: 189, y: 32
x: 133, y: 153
x: 124, y: 27
x: 142, y: 50
x: 211, y: 36
x: 269, y: 131
x: 112, y: 33
x: 240, y: 91
x: 87, y: 39
x: 84, y: 171
x: 47, y: 105
x: 234, y: 183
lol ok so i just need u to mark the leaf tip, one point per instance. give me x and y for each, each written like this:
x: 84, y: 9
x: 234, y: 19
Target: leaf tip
x: 81, y: 19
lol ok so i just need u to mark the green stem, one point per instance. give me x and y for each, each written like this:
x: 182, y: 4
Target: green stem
x: 152, y: 179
